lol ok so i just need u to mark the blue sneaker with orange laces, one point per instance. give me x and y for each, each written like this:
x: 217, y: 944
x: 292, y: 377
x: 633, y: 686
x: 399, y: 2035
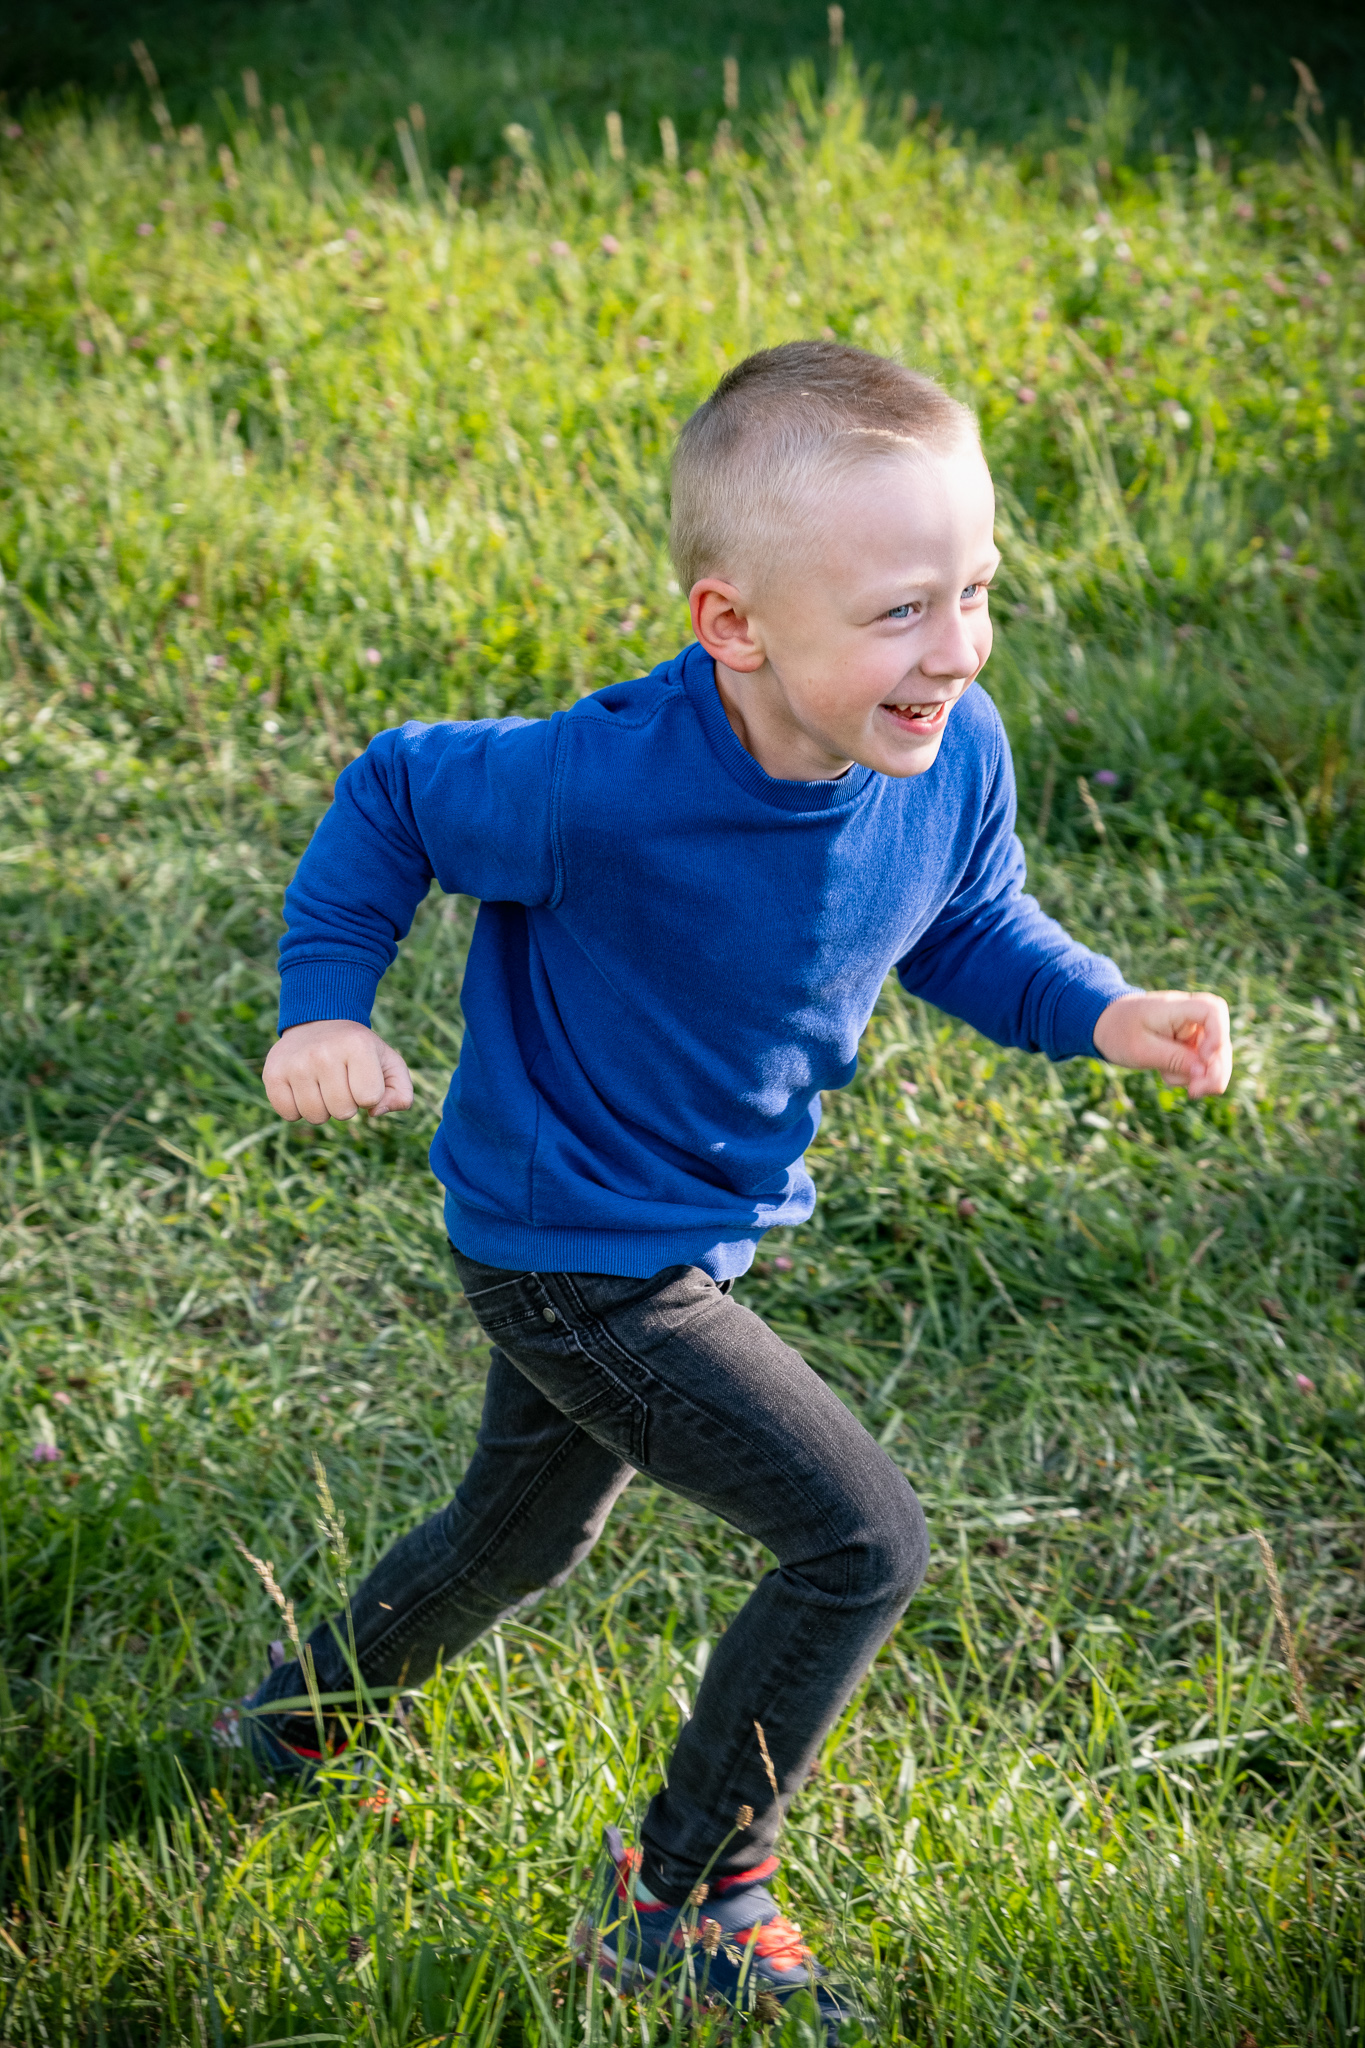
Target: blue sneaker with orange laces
x: 729, y: 1948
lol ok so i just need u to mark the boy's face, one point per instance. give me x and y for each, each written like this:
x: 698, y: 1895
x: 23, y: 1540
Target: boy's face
x: 860, y: 651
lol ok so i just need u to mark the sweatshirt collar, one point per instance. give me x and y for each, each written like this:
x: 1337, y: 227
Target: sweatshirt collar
x: 699, y: 680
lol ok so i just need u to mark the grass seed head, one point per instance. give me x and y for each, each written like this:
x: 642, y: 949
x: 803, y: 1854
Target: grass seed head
x: 587, y: 1943
x: 332, y: 1523
x: 265, y: 1572
x: 1281, y: 1612
x: 767, y: 1760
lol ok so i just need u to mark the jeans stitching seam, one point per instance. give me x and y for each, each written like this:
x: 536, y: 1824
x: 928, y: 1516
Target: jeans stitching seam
x: 513, y: 1280
x: 638, y: 1404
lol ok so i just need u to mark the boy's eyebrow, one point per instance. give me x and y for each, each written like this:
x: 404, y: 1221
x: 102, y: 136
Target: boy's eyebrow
x: 924, y: 578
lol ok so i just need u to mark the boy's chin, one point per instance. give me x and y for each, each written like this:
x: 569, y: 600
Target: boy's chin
x: 904, y: 759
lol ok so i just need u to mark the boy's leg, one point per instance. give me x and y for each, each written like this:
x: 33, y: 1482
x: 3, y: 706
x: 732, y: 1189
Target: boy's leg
x: 673, y: 1377
x: 529, y: 1509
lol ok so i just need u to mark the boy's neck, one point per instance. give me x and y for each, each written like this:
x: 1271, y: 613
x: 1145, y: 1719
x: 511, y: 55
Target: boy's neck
x: 762, y: 723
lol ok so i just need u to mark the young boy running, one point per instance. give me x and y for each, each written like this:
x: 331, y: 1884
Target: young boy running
x: 692, y: 888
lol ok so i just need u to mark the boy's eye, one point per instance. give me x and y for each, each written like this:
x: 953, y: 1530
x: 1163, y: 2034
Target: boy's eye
x: 970, y: 592
x: 899, y: 611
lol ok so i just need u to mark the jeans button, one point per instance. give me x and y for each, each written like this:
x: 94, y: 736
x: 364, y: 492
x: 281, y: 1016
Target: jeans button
x: 549, y: 1315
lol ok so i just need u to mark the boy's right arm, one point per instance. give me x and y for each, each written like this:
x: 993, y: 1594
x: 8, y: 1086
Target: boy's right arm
x: 468, y: 804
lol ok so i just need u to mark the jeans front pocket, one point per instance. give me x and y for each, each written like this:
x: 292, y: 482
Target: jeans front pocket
x: 611, y: 1411
x: 582, y: 1387
x: 516, y: 1302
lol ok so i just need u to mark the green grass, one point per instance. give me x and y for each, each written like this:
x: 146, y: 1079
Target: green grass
x: 1007, y: 74
x: 1109, y: 1335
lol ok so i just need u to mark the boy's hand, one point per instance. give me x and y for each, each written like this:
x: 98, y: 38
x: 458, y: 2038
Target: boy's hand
x: 1185, y: 1037
x: 334, y: 1069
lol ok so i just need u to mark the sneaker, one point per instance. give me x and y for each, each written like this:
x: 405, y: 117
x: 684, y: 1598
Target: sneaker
x: 728, y: 1948
x: 285, y: 1746
x: 281, y: 1745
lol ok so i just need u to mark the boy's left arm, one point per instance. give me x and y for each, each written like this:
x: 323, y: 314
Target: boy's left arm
x: 993, y: 958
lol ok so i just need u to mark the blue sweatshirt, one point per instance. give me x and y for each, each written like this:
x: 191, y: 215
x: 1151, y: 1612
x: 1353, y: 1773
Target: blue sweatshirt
x: 674, y: 954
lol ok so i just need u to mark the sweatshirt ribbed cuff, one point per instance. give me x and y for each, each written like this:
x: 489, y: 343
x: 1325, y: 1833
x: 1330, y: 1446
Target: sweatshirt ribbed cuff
x: 1080, y: 1006
x: 326, y: 989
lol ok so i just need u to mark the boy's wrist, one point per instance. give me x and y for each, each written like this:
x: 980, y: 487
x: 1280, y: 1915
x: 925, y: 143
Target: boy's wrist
x: 1079, y: 1003
x: 326, y: 991
x: 1102, y: 1034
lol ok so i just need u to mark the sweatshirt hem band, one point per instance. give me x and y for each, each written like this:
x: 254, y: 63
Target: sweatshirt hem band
x: 625, y: 1255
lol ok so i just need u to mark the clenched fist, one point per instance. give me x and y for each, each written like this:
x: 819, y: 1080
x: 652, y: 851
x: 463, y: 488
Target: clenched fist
x: 1185, y: 1037
x: 334, y: 1069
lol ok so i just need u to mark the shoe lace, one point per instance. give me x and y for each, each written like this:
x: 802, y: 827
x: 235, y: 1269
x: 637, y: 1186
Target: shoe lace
x: 778, y: 1942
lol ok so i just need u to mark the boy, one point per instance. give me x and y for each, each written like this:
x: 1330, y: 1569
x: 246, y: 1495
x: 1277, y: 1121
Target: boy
x: 692, y: 888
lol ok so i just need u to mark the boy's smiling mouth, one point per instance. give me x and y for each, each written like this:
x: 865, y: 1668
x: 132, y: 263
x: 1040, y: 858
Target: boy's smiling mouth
x: 923, y: 717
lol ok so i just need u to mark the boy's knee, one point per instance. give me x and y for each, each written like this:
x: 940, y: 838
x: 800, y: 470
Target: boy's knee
x: 880, y: 1550
x: 907, y: 1551
x: 894, y: 1551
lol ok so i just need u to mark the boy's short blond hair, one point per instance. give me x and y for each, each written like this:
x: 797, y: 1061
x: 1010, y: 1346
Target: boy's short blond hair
x: 779, y: 422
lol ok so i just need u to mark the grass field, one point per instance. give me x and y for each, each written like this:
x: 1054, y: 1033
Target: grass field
x: 288, y: 456
x: 1007, y: 71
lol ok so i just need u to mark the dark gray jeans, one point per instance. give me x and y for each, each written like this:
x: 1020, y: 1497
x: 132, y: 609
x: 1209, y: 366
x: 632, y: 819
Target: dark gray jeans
x: 591, y: 1380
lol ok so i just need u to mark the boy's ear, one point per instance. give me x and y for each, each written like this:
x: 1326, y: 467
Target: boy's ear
x: 721, y: 622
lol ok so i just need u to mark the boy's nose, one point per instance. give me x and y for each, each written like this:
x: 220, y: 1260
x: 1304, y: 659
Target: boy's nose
x: 951, y: 653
